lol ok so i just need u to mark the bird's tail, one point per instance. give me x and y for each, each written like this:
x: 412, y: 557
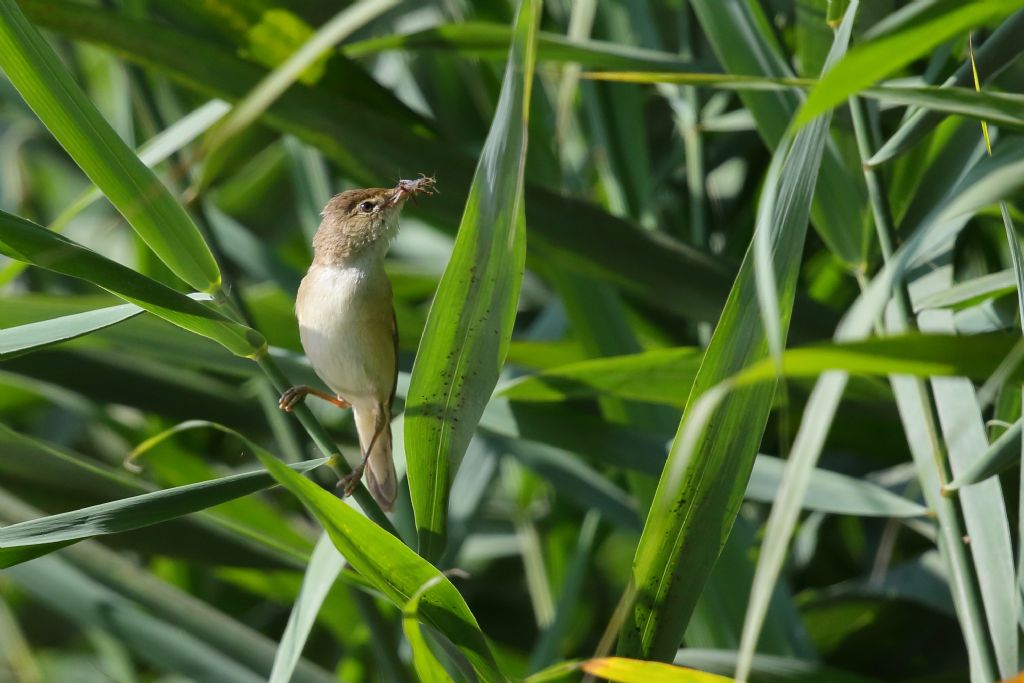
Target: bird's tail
x: 380, y: 468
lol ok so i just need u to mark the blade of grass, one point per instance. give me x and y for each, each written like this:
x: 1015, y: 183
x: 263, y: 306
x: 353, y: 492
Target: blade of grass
x: 568, y: 232
x: 340, y: 26
x: 903, y: 43
x: 62, y: 588
x: 141, y: 198
x: 467, y: 333
x: 829, y: 492
x: 156, y: 150
x: 545, y: 651
x: 392, y: 567
x: 47, y: 534
x: 122, y: 580
x: 796, y: 478
x: 661, y: 376
x: 623, y: 670
x: 1001, y: 50
x: 15, y: 341
x: 982, y: 505
x: 491, y: 40
x: 25, y: 241
x: 425, y: 662
x: 324, y: 566
x: 702, y: 485
x: 1001, y: 455
x: 744, y: 42
x: 971, y: 292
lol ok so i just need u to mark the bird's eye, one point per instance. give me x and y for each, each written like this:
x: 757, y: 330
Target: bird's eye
x: 367, y: 207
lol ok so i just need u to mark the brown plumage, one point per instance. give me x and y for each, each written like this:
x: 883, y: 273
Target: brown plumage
x: 347, y: 322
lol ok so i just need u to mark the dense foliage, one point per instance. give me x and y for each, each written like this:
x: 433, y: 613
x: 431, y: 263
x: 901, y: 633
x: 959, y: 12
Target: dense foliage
x: 710, y: 341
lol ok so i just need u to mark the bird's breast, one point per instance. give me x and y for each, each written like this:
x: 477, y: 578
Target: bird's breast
x: 347, y: 329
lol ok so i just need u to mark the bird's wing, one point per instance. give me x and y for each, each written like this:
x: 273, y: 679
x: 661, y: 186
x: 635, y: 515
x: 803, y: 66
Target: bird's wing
x: 394, y: 338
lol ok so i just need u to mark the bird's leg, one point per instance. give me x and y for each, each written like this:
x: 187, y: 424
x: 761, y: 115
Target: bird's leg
x: 296, y: 395
x: 350, y: 481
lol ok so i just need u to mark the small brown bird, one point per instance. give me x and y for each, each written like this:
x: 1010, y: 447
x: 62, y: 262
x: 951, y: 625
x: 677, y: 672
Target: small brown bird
x: 347, y: 322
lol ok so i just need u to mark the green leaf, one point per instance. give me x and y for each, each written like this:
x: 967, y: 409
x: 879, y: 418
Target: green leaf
x: 343, y: 24
x: 15, y: 341
x: 83, y: 601
x: 324, y: 566
x: 971, y: 292
x: 661, y: 376
x: 624, y: 670
x: 25, y: 241
x: 569, y: 232
x: 922, y: 355
x: 490, y: 40
x: 830, y: 492
x: 31, y: 465
x: 56, y: 531
x: 702, y: 484
x: 998, y: 52
x: 744, y: 43
x: 983, y: 506
x: 166, y: 626
x: 467, y: 334
x: 1000, y: 456
x: 141, y: 198
x: 392, y: 567
x: 428, y: 668
x: 868, y: 63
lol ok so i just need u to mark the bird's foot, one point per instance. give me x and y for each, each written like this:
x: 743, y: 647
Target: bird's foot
x: 350, y: 482
x: 296, y: 395
x: 292, y: 398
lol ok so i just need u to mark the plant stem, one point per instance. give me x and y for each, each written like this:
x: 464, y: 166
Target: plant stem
x: 950, y: 525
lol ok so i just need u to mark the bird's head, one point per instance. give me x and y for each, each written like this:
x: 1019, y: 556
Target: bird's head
x: 357, y: 222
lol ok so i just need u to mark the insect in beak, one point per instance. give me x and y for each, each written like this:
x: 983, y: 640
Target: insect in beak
x: 409, y: 189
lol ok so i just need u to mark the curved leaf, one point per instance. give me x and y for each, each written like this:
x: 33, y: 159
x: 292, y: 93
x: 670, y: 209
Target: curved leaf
x: 141, y: 198
x: 40, y: 536
x: 885, y: 54
x: 25, y: 241
x: 392, y: 567
x: 324, y: 566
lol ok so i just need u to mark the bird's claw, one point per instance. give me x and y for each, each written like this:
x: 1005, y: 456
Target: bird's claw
x: 291, y: 398
x: 350, y: 482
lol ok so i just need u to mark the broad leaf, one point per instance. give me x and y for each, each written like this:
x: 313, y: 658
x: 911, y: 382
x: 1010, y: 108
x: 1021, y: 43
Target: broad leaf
x: 467, y: 333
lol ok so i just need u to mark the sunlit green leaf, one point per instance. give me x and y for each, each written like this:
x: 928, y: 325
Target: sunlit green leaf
x: 25, y: 241
x: 470, y: 323
x: 146, y: 204
x: 392, y: 567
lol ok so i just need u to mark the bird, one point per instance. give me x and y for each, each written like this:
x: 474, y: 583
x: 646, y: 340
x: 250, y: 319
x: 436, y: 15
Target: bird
x: 347, y: 323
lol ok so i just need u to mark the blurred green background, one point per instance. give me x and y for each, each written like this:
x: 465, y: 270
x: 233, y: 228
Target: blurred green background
x: 641, y: 201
